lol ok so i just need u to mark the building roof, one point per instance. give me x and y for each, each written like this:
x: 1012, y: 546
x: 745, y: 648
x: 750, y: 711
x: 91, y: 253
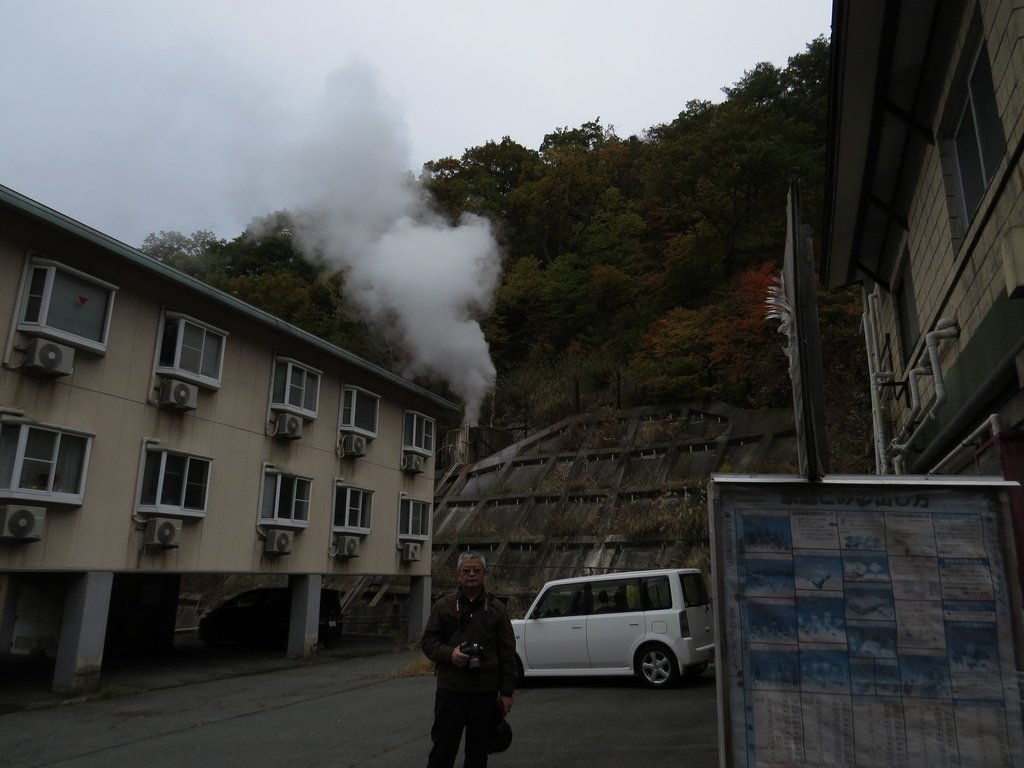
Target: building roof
x: 41, y: 213
x: 882, y: 115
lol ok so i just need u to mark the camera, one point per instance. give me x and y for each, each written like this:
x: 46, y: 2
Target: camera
x: 474, y: 651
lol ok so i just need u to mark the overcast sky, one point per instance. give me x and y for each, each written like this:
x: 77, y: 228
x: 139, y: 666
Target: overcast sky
x: 135, y: 116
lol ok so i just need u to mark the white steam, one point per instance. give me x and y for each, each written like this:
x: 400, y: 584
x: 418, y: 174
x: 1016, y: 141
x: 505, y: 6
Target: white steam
x: 412, y: 275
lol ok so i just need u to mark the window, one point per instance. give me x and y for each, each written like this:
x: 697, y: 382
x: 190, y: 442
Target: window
x: 414, y: 518
x: 352, y: 508
x: 43, y: 463
x: 979, y: 142
x: 191, y: 350
x: 285, y: 498
x: 620, y: 596
x: 296, y: 387
x: 359, y: 411
x: 694, y: 591
x: 174, y: 483
x: 562, y: 600
x: 658, y: 593
x: 67, y: 305
x: 419, y: 433
x: 906, y: 314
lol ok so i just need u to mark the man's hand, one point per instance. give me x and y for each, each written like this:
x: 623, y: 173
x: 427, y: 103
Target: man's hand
x: 504, y: 705
x: 459, y: 659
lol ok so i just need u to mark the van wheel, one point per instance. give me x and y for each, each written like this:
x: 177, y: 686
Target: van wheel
x: 520, y: 674
x: 656, y: 666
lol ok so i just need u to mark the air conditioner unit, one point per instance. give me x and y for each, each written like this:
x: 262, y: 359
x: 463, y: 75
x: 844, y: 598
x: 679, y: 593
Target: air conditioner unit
x: 346, y: 546
x: 411, y: 551
x: 178, y: 395
x: 412, y: 462
x: 289, y: 426
x: 353, y: 446
x: 279, y: 542
x: 164, y: 532
x: 49, y: 358
x: 19, y: 523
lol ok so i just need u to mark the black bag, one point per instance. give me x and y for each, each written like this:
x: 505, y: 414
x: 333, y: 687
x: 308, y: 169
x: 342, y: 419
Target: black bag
x: 501, y: 739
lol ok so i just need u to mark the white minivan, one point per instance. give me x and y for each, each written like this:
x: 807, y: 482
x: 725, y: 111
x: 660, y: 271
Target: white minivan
x: 657, y: 625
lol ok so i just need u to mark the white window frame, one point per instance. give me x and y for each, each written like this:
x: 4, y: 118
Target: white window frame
x: 410, y: 443
x: 160, y: 508
x: 347, y: 494
x: 174, y: 369
x: 294, y: 370
x: 423, y: 512
x: 272, y: 483
x: 346, y: 413
x: 40, y: 326
x: 18, y: 464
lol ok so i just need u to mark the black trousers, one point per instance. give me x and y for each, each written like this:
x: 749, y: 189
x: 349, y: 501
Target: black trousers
x: 476, y: 713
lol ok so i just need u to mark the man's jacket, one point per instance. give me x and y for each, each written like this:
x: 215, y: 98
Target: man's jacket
x: 455, y: 620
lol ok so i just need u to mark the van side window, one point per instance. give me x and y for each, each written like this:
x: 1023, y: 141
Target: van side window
x: 694, y: 591
x: 563, y: 600
x: 620, y: 596
x: 658, y: 594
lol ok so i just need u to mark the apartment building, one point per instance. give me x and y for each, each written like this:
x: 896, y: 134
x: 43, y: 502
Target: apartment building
x: 925, y: 208
x: 152, y: 426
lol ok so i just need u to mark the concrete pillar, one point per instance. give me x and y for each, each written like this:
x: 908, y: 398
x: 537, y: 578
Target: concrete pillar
x: 83, y: 629
x: 419, y: 605
x: 304, y: 624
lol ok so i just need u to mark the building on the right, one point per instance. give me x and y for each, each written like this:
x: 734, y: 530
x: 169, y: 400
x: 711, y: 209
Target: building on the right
x: 924, y: 207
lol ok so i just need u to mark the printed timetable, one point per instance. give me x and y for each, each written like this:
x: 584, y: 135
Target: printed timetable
x: 865, y: 624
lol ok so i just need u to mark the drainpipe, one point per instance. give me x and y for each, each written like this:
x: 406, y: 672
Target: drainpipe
x: 897, y: 464
x: 991, y: 425
x: 876, y: 378
x: 946, y: 328
x: 915, y: 408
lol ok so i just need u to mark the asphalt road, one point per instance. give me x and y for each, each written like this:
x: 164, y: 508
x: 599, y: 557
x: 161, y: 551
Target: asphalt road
x: 358, y: 712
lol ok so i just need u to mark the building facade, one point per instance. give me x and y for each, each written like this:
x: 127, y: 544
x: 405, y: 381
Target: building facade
x: 152, y: 426
x: 925, y: 208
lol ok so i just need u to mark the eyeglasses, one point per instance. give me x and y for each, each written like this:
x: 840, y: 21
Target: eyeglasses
x: 471, y: 570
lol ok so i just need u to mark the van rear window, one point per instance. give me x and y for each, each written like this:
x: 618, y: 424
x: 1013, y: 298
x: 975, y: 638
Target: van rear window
x: 694, y: 591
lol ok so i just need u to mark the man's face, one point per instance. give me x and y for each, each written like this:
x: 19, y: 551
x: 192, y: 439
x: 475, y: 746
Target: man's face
x: 471, y: 573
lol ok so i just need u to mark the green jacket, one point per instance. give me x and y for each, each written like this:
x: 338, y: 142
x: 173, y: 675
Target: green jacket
x: 487, y: 625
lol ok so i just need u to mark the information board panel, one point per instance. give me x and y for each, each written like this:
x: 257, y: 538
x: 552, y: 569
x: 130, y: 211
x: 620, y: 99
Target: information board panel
x: 865, y: 622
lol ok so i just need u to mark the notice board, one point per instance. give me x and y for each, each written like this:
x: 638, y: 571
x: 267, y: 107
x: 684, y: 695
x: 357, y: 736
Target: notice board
x: 865, y: 621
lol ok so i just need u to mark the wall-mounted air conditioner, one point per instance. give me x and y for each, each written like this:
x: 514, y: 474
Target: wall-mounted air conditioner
x: 163, y: 532
x: 411, y: 551
x: 179, y: 395
x: 353, y: 446
x: 279, y: 542
x: 48, y: 358
x: 346, y: 546
x: 18, y: 523
x: 289, y: 426
x: 412, y: 462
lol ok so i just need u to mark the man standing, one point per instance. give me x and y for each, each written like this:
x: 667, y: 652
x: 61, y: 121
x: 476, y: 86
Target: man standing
x: 470, y: 638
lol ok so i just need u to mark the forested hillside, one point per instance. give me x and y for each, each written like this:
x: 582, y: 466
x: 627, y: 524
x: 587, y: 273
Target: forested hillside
x: 635, y: 270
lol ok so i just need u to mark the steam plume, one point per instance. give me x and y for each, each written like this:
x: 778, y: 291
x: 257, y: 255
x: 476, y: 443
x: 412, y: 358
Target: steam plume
x: 422, y: 281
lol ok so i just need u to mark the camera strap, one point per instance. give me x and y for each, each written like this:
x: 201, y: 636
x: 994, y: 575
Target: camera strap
x: 466, y: 609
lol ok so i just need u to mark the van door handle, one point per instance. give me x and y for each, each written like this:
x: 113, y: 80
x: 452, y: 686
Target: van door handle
x: 577, y: 626
x: 634, y: 623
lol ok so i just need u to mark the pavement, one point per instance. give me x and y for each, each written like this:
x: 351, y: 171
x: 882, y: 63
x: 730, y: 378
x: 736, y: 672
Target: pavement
x: 25, y: 681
